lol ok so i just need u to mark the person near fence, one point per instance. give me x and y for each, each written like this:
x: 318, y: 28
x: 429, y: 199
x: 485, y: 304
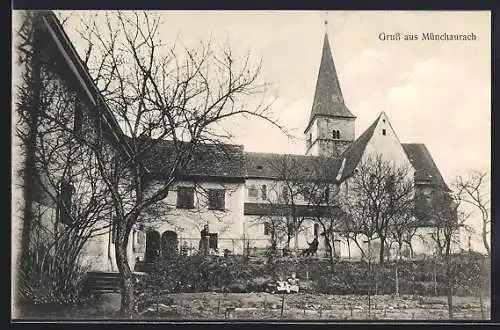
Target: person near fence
x: 204, y: 240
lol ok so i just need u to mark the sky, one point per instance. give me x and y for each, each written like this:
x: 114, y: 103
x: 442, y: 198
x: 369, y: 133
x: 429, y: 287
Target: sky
x: 434, y: 92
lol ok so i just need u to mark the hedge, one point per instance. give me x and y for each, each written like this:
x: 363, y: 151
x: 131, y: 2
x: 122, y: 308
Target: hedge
x: 236, y: 274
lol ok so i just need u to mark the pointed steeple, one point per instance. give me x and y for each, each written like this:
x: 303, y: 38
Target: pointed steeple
x: 328, y: 99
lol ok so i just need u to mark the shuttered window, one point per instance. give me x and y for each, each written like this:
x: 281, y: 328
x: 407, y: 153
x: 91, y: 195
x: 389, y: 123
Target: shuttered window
x: 185, y: 197
x: 217, y: 199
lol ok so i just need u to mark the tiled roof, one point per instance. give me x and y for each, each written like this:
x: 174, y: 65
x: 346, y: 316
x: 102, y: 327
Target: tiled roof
x: 425, y: 168
x: 353, y: 153
x: 208, y: 160
x: 275, y: 166
x: 328, y: 99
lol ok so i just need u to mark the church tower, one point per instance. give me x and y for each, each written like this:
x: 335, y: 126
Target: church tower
x: 331, y: 125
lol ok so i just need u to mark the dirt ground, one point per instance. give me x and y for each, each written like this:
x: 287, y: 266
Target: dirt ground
x: 265, y: 306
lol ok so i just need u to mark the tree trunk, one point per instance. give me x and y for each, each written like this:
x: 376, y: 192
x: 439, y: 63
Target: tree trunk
x: 382, y: 250
x: 370, y: 283
x: 485, y: 239
x: 449, y: 279
x: 329, y: 249
x: 397, y: 281
x: 348, y: 248
x: 127, y: 288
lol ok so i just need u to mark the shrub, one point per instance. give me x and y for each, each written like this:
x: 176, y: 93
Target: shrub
x: 45, y: 286
x: 234, y: 273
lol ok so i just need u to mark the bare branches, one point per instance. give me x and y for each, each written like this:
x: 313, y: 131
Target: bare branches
x: 158, y: 92
x: 472, y: 190
x: 70, y: 204
x: 380, y: 198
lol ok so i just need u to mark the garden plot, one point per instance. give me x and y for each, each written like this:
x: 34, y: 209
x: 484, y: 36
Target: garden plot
x: 310, y: 306
x: 266, y: 306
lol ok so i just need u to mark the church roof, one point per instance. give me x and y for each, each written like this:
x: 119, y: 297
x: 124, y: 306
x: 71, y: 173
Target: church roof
x: 419, y: 156
x: 231, y: 161
x: 276, y: 166
x: 353, y: 153
x: 328, y: 99
x: 426, y: 170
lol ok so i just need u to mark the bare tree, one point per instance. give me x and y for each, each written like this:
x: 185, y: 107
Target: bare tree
x: 159, y: 93
x: 58, y: 172
x: 442, y: 209
x: 403, y: 230
x: 321, y: 190
x: 28, y: 102
x: 380, y: 194
x: 288, y: 188
x: 275, y: 227
x: 473, y: 191
x: 303, y: 189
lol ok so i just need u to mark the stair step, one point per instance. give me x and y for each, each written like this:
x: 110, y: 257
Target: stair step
x: 102, y: 282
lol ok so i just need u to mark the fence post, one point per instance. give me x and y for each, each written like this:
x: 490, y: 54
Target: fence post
x: 435, y: 279
x: 397, y: 281
x: 282, y: 303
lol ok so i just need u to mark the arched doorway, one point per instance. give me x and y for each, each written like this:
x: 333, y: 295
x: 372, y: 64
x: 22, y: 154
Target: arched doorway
x: 169, y: 243
x: 152, y: 246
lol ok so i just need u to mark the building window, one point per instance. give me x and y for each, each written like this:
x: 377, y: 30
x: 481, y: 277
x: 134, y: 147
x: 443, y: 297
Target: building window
x: 64, y: 203
x: 185, y: 197
x: 217, y: 199
x: 316, y: 229
x: 336, y: 134
x: 327, y: 194
x: 253, y: 192
x: 383, y: 131
x: 134, y: 240
x: 264, y: 191
x: 267, y: 228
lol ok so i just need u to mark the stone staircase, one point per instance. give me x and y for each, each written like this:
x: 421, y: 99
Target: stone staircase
x: 101, y: 282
